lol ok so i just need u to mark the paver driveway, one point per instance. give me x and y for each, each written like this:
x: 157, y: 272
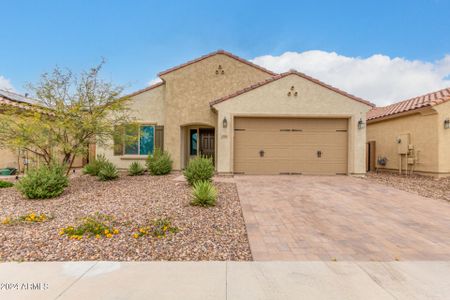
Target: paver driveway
x: 340, y: 217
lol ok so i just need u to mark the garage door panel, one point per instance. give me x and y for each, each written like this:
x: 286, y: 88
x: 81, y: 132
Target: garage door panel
x: 261, y: 124
x: 244, y: 139
x: 281, y: 166
x: 307, y: 153
x: 253, y: 166
x: 290, y: 146
x: 255, y: 138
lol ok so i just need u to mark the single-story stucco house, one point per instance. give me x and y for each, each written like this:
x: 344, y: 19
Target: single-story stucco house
x: 248, y: 119
x: 411, y: 135
x: 20, y: 159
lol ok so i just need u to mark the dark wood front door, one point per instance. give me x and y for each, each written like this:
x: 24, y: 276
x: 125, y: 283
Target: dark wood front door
x: 207, y: 145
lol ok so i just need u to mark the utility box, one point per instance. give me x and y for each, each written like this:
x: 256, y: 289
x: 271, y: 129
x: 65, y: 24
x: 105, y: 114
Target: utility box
x: 403, y: 143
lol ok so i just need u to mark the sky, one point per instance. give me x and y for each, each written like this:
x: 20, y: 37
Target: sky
x: 383, y: 51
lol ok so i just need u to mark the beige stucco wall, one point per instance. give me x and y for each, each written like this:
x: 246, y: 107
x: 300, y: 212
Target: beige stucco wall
x: 11, y: 158
x: 444, y: 138
x: 8, y: 158
x: 313, y: 100
x: 147, y: 107
x: 190, y: 89
x: 423, y: 130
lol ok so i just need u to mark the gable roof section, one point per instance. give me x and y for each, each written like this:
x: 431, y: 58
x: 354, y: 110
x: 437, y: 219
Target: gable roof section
x: 215, y: 53
x: 279, y: 76
x: 430, y: 99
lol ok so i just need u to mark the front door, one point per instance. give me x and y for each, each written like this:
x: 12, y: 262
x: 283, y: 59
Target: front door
x: 207, y: 144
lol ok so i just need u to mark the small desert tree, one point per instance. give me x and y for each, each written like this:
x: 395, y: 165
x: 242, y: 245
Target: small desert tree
x: 70, y: 113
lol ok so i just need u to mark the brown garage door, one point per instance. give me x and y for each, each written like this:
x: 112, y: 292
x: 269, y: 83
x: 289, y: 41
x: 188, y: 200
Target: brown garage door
x: 290, y: 146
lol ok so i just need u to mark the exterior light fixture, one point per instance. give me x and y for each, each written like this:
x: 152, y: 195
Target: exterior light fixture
x: 447, y: 123
x: 361, y: 124
x: 225, y: 122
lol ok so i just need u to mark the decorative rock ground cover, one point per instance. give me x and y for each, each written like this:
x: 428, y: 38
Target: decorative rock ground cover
x: 425, y: 186
x: 213, y: 233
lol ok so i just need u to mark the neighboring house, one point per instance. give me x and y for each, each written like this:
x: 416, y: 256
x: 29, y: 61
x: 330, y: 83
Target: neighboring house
x: 413, y: 134
x: 21, y: 158
x: 248, y: 119
x: 16, y: 158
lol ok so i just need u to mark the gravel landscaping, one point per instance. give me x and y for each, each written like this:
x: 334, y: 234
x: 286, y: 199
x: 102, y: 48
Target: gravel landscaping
x: 425, y: 186
x: 213, y: 233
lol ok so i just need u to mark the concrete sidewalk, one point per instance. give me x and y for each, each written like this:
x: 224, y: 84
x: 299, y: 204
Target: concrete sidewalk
x: 225, y: 280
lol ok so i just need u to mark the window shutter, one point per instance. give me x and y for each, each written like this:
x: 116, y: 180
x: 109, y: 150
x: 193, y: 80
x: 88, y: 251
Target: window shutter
x: 159, y: 137
x: 118, y: 140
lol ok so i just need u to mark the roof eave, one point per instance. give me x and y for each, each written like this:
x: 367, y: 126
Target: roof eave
x: 151, y: 87
x: 223, y: 52
x: 282, y: 75
x: 406, y: 113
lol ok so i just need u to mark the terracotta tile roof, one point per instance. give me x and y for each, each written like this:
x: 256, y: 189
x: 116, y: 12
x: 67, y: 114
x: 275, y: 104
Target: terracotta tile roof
x: 151, y: 87
x: 16, y: 100
x: 430, y: 99
x: 16, y: 97
x: 279, y: 76
x: 212, y: 54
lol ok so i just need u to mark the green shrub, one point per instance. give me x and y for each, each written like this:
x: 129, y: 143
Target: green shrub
x: 204, y: 193
x: 44, y: 182
x: 93, y: 168
x: 5, y: 184
x: 136, y: 169
x: 199, y: 169
x: 159, y: 163
x: 108, y: 171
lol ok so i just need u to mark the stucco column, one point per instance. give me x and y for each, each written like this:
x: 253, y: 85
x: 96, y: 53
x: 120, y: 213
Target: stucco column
x: 358, y: 146
x: 224, y: 142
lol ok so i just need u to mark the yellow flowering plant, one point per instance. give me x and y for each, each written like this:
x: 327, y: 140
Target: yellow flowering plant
x: 97, y: 225
x: 6, y: 221
x: 28, y: 218
x: 158, y: 228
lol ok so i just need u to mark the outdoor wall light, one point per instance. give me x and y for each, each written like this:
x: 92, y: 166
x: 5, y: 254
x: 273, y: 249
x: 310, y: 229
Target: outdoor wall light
x: 225, y: 122
x: 361, y: 124
x: 447, y: 123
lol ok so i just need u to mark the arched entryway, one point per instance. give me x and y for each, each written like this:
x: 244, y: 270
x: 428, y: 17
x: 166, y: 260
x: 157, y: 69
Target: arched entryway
x: 197, y: 140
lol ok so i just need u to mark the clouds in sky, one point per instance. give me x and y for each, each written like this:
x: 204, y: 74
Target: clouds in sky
x: 5, y: 84
x: 154, y: 81
x: 378, y: 78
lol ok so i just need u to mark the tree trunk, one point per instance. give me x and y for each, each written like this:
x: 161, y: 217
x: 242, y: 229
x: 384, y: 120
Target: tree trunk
x: 70, y: 164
